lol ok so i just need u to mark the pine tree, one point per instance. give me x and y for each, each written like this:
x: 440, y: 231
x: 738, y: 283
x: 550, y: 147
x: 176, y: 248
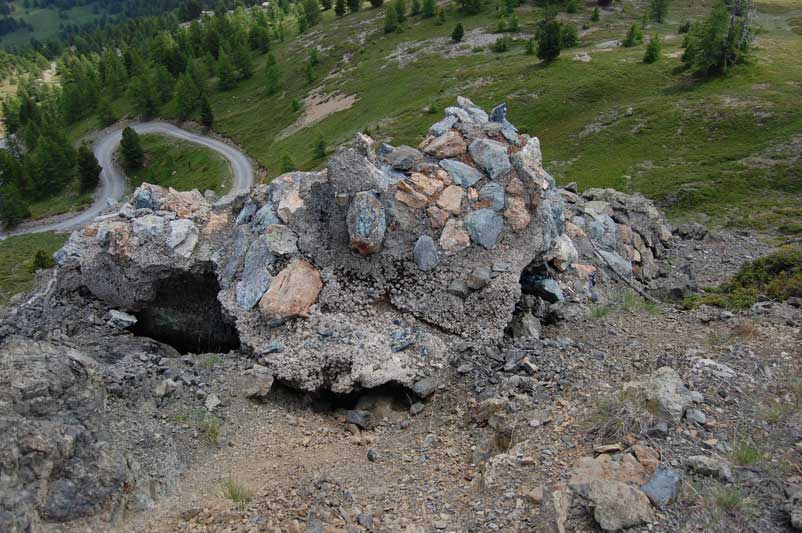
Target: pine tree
x: 653, y: 50
x: 320, y: 148
x: 13, y: 208
x: 658, y: 9
x: 325, y: 5
x: 132, y: 155
x: 186, y: 96
x: 390, y: 19
x: 634, y: 36
x: 88, y: 169
x: 595, y: 15
x: 142, y: 96
x: 549, y: 37
x: 105, y: 113
x: 272, y: 76
x: 530, y: 47
x: 309, y: 74
x: 416, y: 8
x: 226, y: 75
x: 377, y: 3
x: 164, y: 84
x: 287, y: 164
x: 458, y: 33
x: 441, y: 17
x: 569, y: 36
x: 354, y: 5
x: 429, y: 8
x: 206, y: 114
x: 471, y: 7
x: 312, y: 12
x: 401, y: 10
x: 339, y: 8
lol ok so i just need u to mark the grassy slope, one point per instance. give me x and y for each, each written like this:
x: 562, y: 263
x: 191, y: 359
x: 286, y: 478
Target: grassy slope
x: 45, y: 23
x: 181, y: 165
x: 692, y: 138
x: 16, y: 254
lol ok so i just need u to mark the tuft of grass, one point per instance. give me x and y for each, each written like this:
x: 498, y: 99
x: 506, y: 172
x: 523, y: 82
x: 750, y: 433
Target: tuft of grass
x: 730, y: 499
x: 618, y: 414
x: 211, y: 361
x: 237, y: 492
x: 718, y: 338
x: 209, y: 425
x: 746, y: 454
x: 625, y: 300
x: 182, y: 165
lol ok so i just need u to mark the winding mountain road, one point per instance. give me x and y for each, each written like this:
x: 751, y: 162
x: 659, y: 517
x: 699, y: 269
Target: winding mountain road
x: 112, y: 179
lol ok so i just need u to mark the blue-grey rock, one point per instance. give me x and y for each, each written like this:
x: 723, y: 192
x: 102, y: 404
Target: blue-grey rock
x: 366, y: 222
x: 425, y: 253
x: 511, y: 135
x: 484, y: 227
x: 425, y: 387
x: 458, y: 287
x: 363, y: 419
x: 495, y: 193
x: 604, y: 232
x: 461, y: 173
x: 248, y: 210
x: 384, y: 149
x: 476, y: 113
x: 234, y: 254
x: 389, y: 176
x: 439, y: 128
x: 148, y: 226
x: 479, y: 278
x: 272, y: 347
x: 553, y: 208
x: 264, y: 217
x: 255, y: 276
x: 458, y: 113
x: 491, y: 156
x: 663, y: 485
x: 617, y: 263
x: 144, y: 200
x: 121, y: 320
x: 499, y: 113
x: 404, y: 157
x: 549, y: 290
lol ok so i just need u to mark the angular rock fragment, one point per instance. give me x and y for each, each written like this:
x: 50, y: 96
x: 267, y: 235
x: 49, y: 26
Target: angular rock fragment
x: 366, y: 223
x: 491, y: 156
x: 292, y: 292
x: 484, y: 227
x: 462, y: 174
x: 425, y: 253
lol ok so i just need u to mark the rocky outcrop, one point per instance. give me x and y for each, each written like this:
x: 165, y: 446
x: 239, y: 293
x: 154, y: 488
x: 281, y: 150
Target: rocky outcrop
x: 422, y: 231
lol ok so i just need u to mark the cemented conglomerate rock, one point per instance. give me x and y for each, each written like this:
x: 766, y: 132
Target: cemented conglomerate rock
x: 345, y: 261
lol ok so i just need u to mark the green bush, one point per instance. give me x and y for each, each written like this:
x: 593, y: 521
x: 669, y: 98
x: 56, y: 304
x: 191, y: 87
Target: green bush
x: 502, y: 44
x: 777, y: 275
x: 41, y: 261
x: 634, y: 36
x: 569, y: 36
x: 457, y: 34
x: 653, y: 50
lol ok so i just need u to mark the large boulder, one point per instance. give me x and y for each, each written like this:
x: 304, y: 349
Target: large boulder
x: 399, y: 226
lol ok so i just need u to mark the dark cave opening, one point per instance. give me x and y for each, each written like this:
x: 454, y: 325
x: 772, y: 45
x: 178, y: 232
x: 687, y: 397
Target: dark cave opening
x: 186, y: 315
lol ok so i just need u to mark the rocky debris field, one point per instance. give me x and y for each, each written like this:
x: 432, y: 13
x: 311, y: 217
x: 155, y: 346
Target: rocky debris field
x: 430, y: 338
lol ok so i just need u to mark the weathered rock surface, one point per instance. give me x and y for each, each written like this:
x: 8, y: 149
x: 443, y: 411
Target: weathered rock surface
x: 663, y: 393
x: 616, y: 505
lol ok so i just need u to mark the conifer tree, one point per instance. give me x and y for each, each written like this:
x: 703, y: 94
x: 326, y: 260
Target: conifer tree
x: 226, y: 74
x: 88, y: 169
x: 272, y: 75
x: 186, y: 96
x: 354, y: 5
x: 458, y: 32
x: 429, y: 8
x: 206, y: 114
x: 131, y: 147
x: 339, y: 8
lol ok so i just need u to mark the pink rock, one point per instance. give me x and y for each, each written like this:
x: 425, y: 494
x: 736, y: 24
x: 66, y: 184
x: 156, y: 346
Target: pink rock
x: 451, y: 199
x: 517, y: 214
x: 454, y: 237
x: 292, y: 292
x: 449, y: 144
x: 289, y: 204
x: 437, y: 217
x: 425, y: 185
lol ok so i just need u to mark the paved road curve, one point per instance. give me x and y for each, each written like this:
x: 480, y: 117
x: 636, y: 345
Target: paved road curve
x: 112, y: 178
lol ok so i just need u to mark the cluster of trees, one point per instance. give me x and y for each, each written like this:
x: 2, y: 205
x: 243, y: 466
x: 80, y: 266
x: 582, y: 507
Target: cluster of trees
x: 722, y: 40
x: 395, y: 14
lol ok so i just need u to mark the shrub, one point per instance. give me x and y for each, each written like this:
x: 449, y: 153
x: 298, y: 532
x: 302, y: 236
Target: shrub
x: 41, y: 261
x: 634, y: 36
x: 595, y: 15
x: 502, y: 44
x: 131, y: 148
x: 13, y: 208
x: 653, y: 50
x: 513, y: 26
x: 458, y: 33
x: 549, y: 37
x: 429, y: 8
x: 570, y: 6
x: 471, y: 7
x: 569, y: 37
x: 530, y: 47
x: 658, y: 9
x: 390, y: 19
x: 684, y: 27
x: 320, y: 148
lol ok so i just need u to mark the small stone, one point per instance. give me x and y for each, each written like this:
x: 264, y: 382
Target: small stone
x: 696, y: 416
x: 373, y: 455
x: 416, y: 408
x: 493, y: 193
x: 425, y: 253
x: 292, y: 292
x: 459, y: 288
x: 121, y: 320
x: 212, y: 402
x: 517, y: 214
x: 462, y: 174
x: 437, y: 217
x: 662, y: 487
x: 361, y: 419
x: 365, y: 520
x: 281, y: 239
x: 425, y: 387
x: 164, y: 388
x: 263, y: 218
x: 367, y: 223
x: 429, y: 187
x: 616, y: 505
x: 451, y: 199
x: 491, y: 156
x: 710, y: 466
x: 411, y: 198
x: 404, y: 157
x: 479, y: 278
x: 290, y: 204
x: 484, y: 227
x: 454, y: 237
x: 449, y: 144
x: 515, y: 187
